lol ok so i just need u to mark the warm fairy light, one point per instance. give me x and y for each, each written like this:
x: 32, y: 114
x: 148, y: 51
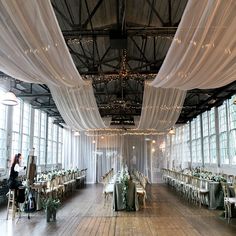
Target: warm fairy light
x: 133, y: 147
x: 94, y: 141
x: 153, y: 141
x: 102, y: 137
x: 153, y: 150
x: 114, y: 132
x: 162, y: 146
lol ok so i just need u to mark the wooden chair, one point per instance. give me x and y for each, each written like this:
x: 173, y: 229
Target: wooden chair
x: 11, y: 205
x: 203, y: 191
x: 228, y: 201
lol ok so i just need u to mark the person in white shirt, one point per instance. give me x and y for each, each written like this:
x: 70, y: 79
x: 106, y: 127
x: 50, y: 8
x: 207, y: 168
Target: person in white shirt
x: 13, y: 182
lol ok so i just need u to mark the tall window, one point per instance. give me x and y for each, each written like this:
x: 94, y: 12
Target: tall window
x: 60, y: 143
x: 21, y: 129
x: 212, y: 133
x: 223, y: 134
x: 196, y: 140
x: 3, y: 133
x: 206, y: 149
x: 40, y: 136
x: 16, y: 128
x: 232, y: 131
x: 186, y: 143
x: 26, y: 129
x: 37, y: 134
x: 43, y: 127
x: 52, y: 142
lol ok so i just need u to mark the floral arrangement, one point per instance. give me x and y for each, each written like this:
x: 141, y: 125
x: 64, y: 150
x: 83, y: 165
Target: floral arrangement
x: 204, y: 174
x: 51, y: 204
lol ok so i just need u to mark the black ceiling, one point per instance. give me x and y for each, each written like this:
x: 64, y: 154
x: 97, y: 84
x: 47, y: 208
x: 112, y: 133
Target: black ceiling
x: 118, y: 44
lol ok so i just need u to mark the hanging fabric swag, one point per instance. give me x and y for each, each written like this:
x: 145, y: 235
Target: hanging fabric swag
x: 33, y: 50
x: 203, y: 51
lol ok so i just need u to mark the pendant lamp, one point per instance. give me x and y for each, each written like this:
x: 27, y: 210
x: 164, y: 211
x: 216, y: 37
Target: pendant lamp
x: 9, y: 99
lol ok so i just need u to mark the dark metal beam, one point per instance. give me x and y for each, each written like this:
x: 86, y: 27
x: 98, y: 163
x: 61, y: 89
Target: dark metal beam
x: 84, y: 25
x: 62, y: 15
x: 156, y: 12
x: 44, y: 106
x: 139, y: 49
x: 139, y: 31
x: 25, y: 95
x: 69, y: 11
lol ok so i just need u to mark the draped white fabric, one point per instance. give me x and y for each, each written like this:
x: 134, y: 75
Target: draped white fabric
x: 101, y: 153
x: 161, y: 107
x: 33, y: 50
x: 79, y: 107
x: 79, y: 152
x: 203, y: 51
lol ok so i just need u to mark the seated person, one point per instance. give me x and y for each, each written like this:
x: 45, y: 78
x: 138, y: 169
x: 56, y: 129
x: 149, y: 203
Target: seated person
x: 13, y: 182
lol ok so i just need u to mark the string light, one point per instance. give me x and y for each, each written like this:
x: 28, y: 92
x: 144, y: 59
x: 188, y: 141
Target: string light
x: 79, y: 41
x: 121, y: 132
x: 123, y: 71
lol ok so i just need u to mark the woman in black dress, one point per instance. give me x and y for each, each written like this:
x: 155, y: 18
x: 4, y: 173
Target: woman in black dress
x: 13, y: 182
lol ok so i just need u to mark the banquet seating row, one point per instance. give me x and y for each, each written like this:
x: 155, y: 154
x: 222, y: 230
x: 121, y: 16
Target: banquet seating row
x: 192, y: 188
x: 141, y: 181
x: 58, y: 184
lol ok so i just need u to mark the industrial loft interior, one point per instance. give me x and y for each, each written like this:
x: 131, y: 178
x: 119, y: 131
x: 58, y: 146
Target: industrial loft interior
x: 118, y: 117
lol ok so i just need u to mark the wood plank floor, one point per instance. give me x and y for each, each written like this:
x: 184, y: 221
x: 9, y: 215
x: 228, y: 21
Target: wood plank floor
x: 86, y: 214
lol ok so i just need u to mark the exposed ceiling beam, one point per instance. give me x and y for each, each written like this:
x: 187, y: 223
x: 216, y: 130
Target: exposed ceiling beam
x: 148, y: 31
x: 44, y: 106
x: 84, y: 25
x: 25, y: 95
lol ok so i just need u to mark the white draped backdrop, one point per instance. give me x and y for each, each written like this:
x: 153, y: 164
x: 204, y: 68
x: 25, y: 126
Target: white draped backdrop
x: 101, y: 153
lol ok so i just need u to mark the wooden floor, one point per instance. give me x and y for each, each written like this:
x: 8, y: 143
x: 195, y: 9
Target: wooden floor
x: 85, y: 214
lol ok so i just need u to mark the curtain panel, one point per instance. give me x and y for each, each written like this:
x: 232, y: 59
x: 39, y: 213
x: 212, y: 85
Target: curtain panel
x: 203, y: 51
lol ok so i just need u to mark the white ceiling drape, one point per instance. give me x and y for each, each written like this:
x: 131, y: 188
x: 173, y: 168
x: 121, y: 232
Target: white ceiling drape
x: 79, y: 106
x: 33, y: 50
x: 161, y: 108
x: 203, y: 51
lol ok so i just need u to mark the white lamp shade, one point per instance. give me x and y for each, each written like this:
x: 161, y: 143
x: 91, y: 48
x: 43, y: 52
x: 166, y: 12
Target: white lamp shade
x: 77, y: 133
x: 9, y: 99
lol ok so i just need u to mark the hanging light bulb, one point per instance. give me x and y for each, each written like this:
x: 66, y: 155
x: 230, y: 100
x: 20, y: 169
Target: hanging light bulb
x: 9, y: 99
x: 234, y: 102
x: 94, y: 141
x: 172, y: 131
x: 77, y: 133
x: 153, y: 141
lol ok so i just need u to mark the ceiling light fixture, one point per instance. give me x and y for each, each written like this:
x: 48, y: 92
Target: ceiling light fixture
x: 172, y: 131
x: 234, y: 102
x: 9, y: 99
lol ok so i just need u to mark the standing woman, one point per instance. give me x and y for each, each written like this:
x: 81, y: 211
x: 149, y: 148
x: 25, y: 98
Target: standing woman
x: 13, y: 182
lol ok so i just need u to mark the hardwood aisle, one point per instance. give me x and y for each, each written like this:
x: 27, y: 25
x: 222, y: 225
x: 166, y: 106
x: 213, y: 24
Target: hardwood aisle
x: 86, y: 214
